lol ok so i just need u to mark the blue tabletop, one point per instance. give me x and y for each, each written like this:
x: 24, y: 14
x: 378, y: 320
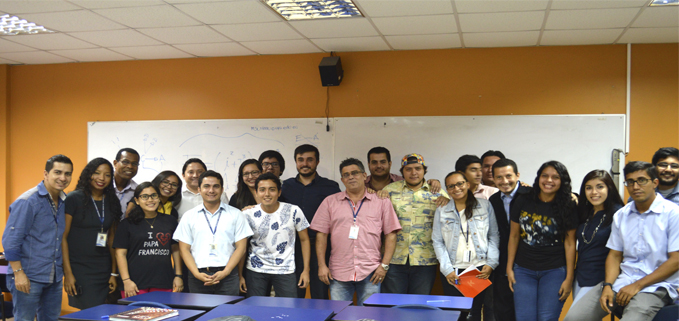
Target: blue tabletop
x: 196, y: 301
x: 335, y: 306
x: 441, y: 301
x: 352, y: 313
x: 97, y: 312
x: 260, y: 313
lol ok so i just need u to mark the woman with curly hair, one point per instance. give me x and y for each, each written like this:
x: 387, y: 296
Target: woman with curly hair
x: 144, y: 246
x: 541, y: 251
x: 245, y: 195
x: 92, y: 213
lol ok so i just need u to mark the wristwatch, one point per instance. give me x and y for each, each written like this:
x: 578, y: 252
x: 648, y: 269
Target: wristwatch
x: 606, y: 284
x: 385, y: 266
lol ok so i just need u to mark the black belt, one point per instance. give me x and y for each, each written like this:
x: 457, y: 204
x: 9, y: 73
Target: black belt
x: 212, y: 269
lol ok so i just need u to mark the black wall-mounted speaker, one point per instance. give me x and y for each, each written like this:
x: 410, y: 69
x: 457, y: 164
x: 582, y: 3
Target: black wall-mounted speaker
x: 331, y: 71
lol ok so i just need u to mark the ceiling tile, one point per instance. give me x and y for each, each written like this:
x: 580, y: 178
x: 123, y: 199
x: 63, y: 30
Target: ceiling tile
x: 68, y: 21
x: 590, y: 19
x: 416, y: 25
x: 658, y: 17
x: 650, y: 35
x: 96, y: 54
x: 148, y: 17
x: 230, y: 12
x: 335, y: 28
x: 216, y: 49
x: 21, y: 7
x: 9, y: 46
x: 579, y: 37
x: 258, y: 31
x: 404, y: 8
x: 101, y: 4
x: 591, y: 4
x: 34, y: 57
x: 152, y: 52
x: 352, y: 44
x: 281, y: 47
x: 506, y: 21
x: 501, y: 39
x: 424, y: 41
x: 467, y: 6
x: 52, y: 41
x: 116, y: 38
x: 185, y: 35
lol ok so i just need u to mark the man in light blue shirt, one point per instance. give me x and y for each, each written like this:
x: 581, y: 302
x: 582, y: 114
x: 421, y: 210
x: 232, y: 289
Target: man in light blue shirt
x: 666, y: 161
x: 32, y: 242
x: 642, y: 265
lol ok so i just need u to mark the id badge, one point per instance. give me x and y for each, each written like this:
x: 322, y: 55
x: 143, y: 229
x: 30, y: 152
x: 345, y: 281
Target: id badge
x: 213, y: 248
x: 467, y: 256
x: 101, y: 239
x: 353, y: 232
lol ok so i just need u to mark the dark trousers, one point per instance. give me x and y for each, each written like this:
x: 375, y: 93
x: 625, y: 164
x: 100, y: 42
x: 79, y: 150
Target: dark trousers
x: 226, y: 286
x: 477, y: 304
x: 259, y: 284
x: 503, y: 297
x: 407, y: 279
x: 318, y: 289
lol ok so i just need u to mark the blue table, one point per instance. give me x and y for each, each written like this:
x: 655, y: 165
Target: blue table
x: 179, y: 300
x: 97, y: 312
x: 260, y: 313
x: 265, y: 301
x: 441, y: 301
x: 353, y: 313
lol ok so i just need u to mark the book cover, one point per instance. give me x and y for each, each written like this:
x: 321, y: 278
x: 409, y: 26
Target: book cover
x: 469, y: 285
x: 144, y: 314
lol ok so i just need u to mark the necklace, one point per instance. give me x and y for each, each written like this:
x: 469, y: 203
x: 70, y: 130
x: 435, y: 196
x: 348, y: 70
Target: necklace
x: 595, y: 230
x: 154, y: 221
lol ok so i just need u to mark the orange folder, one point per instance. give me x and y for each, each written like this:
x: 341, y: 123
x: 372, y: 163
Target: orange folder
x: 469, y: 285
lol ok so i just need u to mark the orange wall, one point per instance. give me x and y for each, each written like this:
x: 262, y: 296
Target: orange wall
x: 4, y: 141
x: 50, y: 105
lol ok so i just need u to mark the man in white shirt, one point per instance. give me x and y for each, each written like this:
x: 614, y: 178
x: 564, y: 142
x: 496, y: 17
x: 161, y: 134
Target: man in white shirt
x: 470, y: 165
x: 271, y: 256
x: 212, y: 240
x: 191, y: 198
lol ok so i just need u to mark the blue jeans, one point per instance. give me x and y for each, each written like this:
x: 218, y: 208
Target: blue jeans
x: 344, y: 291
x: 43, y: 300
x: 536, y: 294
x: 407, y: 279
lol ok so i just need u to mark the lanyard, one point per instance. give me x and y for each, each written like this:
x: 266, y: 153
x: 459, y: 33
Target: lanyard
x: 55, y: 211
x: 210, y: 225
x: 101, y: 214
x: 352, y: 208
x: 466, y: 236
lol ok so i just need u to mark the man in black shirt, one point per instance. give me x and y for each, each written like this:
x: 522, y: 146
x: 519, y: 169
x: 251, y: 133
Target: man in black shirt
x: 307, y: 190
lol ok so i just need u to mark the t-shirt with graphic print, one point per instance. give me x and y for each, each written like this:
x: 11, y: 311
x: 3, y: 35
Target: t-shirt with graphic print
x: 541, y: 246
x: 149, y: 252
x: 272, y: 247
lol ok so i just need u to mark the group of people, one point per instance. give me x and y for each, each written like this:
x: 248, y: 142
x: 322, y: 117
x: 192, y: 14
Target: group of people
x: 388, y: 233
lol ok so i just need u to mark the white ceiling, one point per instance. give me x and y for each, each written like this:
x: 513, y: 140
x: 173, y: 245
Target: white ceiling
x: 97, y: 30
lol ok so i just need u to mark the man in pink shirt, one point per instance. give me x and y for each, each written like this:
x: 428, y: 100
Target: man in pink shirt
x: 355, y: 221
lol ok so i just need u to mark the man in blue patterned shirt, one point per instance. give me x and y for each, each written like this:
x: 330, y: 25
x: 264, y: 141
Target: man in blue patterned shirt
x: 32, y: 242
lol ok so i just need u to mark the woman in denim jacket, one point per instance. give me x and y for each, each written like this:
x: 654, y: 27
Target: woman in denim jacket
x: 465, y: 234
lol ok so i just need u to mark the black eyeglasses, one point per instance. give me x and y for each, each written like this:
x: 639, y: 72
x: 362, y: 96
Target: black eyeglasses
x: 354, y: 173
x: 458, y: 185
x: 266, y: 164
x: 168, y: 183
x: 125, y: 162
x: 145, y: 197
x: 253, y: 173
x: 641, y: 181
x: 664, y: 165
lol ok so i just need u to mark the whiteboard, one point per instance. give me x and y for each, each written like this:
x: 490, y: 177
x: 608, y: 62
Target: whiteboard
x: 222, y: 144
x: 581, y: 142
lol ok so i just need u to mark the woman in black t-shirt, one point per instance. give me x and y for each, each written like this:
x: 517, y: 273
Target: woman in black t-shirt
x: 92, y: 214
x: 599, y: 200
x: 145, y: 249
x: 541, y: 251
x: 169, y: 186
